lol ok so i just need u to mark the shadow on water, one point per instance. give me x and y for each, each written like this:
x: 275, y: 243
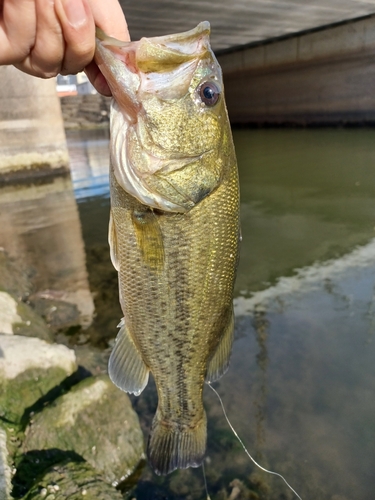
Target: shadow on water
x: 302, y: 378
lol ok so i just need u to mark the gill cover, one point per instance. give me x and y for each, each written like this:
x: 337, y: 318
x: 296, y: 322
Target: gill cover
x: 166, y: 116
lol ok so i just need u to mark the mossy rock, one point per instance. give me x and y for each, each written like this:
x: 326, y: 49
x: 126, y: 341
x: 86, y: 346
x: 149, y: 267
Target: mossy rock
x: 32, y: 325
x: 16, y: 317
x: 29, y: 369
x: 95, y: 420
x: 73, y: 480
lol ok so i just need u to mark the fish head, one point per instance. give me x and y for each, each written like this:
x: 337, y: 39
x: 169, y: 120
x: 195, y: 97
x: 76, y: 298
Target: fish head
x: 169, y: 126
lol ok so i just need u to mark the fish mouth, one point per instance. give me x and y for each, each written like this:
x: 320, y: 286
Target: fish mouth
x: 168, y: 61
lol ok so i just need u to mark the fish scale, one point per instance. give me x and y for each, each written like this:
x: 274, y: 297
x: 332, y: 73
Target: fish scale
x: 176, y: 254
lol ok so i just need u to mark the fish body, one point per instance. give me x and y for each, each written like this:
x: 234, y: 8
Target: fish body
x: 174, y: 230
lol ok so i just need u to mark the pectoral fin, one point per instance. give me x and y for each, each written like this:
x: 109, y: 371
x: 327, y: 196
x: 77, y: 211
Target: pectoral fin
x: 112, y: 240
x: 126, y: 367
x: 149, y: 238
x: 219, y: 362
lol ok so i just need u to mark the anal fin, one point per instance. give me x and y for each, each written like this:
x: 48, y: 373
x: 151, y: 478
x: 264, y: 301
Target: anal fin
x: 126, y: 367
x: 219, y: 362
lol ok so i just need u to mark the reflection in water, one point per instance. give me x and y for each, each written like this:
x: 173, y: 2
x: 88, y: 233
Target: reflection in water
x: 261, y: 325
x: 89, y: 162
x: 41, y: 230
x: 319, y: 275
x: 320, y: 406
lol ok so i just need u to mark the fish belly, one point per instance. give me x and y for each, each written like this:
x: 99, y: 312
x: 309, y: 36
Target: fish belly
x: 176, y: 277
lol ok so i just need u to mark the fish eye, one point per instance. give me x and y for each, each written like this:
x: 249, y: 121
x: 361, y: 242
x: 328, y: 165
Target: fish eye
x: 209, y: 93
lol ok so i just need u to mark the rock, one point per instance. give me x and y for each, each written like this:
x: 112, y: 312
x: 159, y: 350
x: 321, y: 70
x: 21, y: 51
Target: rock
x: 5, y: 472
x: 8, y: 313
x: 95, y: 420
x: 13, y: 279
x: 92, y: 359
x: 29, y: 369
x: 31, y: 324
x: 58, y: 314
x: 18, y: 318
x: 76, y: 481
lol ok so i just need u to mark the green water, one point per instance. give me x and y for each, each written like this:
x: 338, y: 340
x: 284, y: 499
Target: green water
x: 307, y: 195
x: 300, y: 389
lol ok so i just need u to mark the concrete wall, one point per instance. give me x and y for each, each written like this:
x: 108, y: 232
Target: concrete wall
x: 320, y: 77
x: 32, y: 138
x: 85, y: 111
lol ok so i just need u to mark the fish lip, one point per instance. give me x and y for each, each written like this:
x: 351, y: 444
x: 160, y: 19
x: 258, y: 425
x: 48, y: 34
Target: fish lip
x: 128, y: 58
x: 123, y: 89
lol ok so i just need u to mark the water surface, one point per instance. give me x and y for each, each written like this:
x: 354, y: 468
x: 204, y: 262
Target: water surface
x: 300, y: 389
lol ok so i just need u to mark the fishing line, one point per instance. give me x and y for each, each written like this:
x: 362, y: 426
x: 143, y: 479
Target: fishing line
x: 244, y: 447
x: 205, y: 481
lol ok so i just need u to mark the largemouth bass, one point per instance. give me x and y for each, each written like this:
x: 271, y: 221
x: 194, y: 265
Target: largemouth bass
x: 174, y: 230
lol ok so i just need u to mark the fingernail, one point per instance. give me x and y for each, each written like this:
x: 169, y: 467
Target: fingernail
x: 75, y: 12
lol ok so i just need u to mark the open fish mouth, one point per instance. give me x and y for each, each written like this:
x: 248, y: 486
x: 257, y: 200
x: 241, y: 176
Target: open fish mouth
x: 168, y: 61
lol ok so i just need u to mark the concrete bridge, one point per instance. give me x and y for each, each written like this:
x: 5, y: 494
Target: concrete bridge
x: 284, y: 62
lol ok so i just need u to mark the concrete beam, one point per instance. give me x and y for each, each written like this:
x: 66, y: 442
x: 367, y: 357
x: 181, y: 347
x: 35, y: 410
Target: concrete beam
x: 237, y: 22
x: 325, y: 76
x: 32, y: 138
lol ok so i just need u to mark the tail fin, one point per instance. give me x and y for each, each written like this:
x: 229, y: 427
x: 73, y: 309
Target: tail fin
x: 171, y: 447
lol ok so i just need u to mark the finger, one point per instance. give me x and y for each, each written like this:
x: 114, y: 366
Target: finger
x: 110, y: 17
x: 78, y: 28
x: 47, y: 54
x: 17, y: 32
x: 97, y: 79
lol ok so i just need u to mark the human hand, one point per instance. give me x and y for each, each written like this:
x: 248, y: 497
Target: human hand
x: 47, y: 37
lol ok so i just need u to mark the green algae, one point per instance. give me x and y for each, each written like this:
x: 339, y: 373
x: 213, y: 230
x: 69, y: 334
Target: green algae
x: 22, y: 392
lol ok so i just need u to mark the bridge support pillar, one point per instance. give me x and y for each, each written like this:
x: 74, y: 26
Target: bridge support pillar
x: 32, y: 137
